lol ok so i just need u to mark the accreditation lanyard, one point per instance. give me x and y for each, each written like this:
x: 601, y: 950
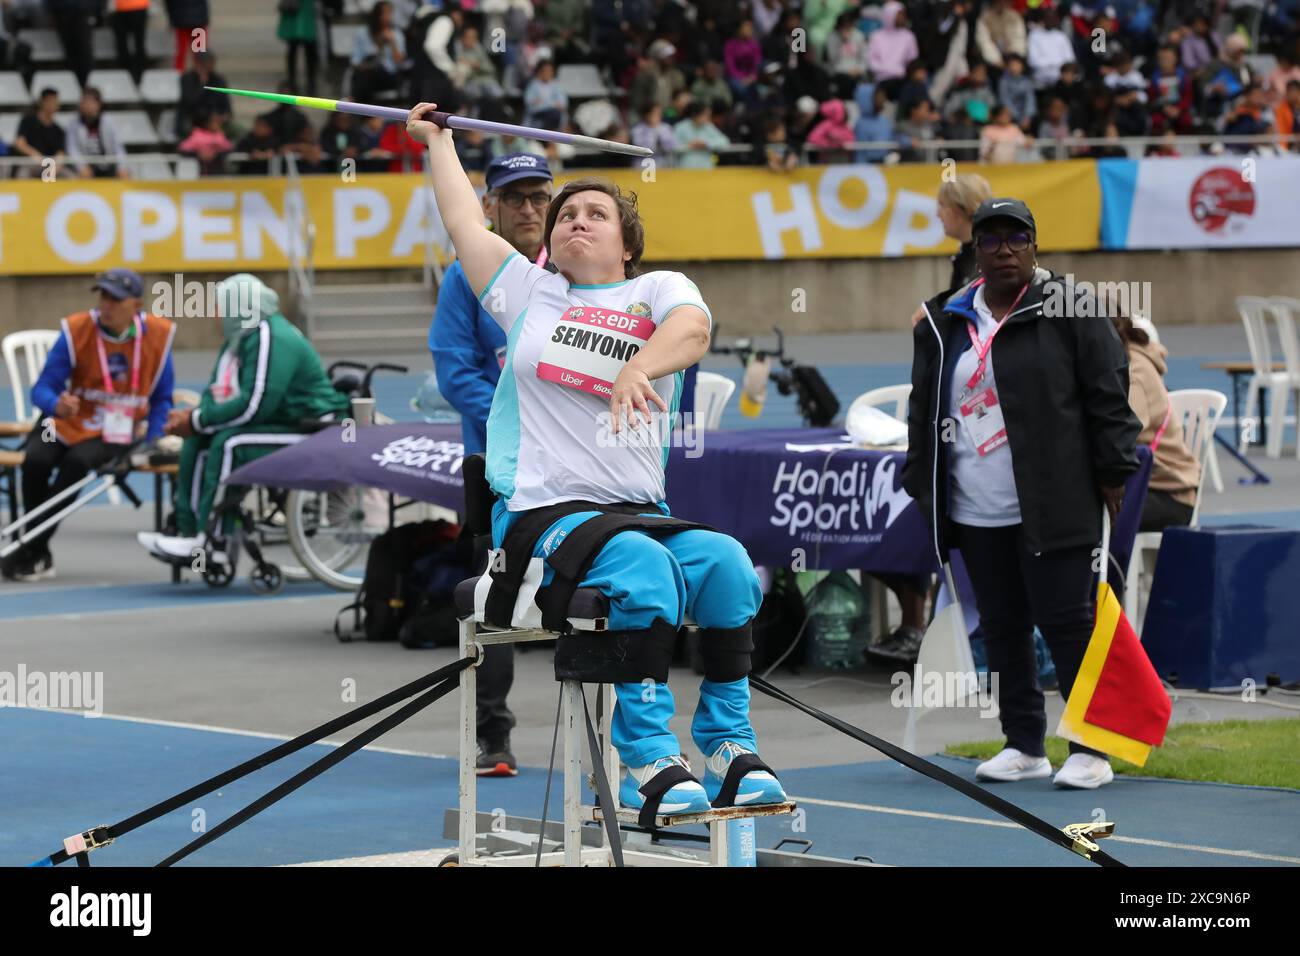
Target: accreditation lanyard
x: 982, y: 349
x: 135, y: 360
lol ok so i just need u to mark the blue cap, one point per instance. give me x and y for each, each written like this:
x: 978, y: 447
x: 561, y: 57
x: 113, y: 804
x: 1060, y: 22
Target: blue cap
x: 120, y: 283
x: 515, y: 166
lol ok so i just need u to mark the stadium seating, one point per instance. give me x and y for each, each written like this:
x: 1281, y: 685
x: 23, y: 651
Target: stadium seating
x: 13, y: 92
x: 64, y: 81
x: 116, y: 87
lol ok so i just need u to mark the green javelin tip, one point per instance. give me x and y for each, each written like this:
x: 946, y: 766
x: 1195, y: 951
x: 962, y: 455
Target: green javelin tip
x: 311, y: 102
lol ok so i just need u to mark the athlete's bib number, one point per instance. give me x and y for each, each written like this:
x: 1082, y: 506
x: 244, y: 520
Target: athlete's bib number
x: 589, y: 347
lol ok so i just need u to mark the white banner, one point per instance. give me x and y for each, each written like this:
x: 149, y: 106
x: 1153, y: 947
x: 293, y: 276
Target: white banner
x: 1215, y: 201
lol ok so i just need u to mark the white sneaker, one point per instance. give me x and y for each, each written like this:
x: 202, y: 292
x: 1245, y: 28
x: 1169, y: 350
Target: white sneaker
x: 1084, y: 772
x: 1011, y: 765
x: 177, y: 546
x: 147, y: 539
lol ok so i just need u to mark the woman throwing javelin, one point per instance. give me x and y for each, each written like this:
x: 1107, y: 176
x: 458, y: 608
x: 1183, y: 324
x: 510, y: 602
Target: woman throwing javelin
x: 594, y: 359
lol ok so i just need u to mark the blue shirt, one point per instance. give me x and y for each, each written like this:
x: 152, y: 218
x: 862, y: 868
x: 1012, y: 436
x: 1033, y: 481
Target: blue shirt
x: 468, y: 347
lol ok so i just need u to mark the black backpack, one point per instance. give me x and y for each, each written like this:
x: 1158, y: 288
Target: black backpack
x: 407, y: 592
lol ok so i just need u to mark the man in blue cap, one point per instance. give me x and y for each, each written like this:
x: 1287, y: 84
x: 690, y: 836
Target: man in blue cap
x: 469, y: 350
x: 106, y: 384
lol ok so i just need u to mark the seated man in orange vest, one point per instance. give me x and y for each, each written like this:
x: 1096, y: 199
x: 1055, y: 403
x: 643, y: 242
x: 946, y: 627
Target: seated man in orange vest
x: 106, y: 383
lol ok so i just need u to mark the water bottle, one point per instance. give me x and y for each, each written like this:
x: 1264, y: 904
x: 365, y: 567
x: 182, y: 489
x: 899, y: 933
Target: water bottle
x: 838, y: 621
x: 429, y: 402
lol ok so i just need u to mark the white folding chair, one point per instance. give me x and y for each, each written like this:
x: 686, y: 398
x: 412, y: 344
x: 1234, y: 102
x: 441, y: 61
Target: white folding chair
x: 712, y: 392
x: 896, y: 395
x: 1257, y: 314
x: 1199, y: 411
x: 25, y: 352
x: 1286, y: 311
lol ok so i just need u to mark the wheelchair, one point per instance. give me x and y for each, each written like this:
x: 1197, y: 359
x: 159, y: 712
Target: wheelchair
x: 291, y: 534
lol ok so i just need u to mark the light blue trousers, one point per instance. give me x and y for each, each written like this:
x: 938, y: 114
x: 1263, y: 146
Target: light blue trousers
x: 701, y: 574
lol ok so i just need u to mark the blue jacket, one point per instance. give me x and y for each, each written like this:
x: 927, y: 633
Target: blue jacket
x: 58, y: 369
x: 468, y: 347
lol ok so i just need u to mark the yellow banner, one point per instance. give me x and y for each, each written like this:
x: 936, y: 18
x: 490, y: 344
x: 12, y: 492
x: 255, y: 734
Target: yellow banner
x: 382, y: 220
x: 849, y: 211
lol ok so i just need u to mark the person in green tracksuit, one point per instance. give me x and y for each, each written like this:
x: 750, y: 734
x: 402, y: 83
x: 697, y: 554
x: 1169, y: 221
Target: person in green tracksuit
x: 267, y: 380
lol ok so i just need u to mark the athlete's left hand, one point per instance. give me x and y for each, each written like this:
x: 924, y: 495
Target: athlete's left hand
x: 632, y: 392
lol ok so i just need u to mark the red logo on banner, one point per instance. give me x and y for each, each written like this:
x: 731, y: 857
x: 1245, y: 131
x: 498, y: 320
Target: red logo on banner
x: 1218, y: 195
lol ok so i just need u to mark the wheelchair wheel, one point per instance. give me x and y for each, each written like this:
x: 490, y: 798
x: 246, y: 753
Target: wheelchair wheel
x: 266, y: 578
x: 219, y: 575
x: 330, y: 534
x: 270, y: 526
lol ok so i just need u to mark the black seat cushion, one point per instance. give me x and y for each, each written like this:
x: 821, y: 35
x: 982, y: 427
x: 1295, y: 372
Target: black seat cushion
x: 587, y: 603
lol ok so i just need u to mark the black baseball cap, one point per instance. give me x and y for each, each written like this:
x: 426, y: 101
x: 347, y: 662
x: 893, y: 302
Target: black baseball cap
x: 515, y: 166
x: 1014, y: 209
x: 120, y: 284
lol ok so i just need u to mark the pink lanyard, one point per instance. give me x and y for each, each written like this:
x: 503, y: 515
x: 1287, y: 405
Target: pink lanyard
x: 135, y: 362
x: 541, y: 258
x: 982, y: 351
x: 1163, y: 425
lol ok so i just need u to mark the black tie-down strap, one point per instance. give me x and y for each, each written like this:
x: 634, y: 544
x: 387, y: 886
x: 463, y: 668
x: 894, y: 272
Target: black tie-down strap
x: 521, y: 541
x: 654, y: 789
x: 740, y: 765
x: 1086, y: 849
x: 103, y: 835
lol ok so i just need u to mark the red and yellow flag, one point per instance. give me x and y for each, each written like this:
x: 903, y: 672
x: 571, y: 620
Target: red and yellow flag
x: 1117, y: 704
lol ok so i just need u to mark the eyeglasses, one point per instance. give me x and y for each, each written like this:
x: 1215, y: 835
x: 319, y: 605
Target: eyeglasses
x: 1016, y: 242
x: 539, y: 200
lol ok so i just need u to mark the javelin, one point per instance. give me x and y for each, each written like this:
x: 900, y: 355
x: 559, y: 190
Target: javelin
x: 445, y: 120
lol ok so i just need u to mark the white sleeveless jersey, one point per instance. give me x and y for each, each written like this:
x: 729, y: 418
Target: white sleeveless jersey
x: 548, y: 436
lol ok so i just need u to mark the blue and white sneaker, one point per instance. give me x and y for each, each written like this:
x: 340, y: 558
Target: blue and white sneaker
x: 685, y: 797
x: 756, y: 787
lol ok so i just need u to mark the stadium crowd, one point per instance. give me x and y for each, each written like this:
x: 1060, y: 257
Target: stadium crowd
x: 774, y: 82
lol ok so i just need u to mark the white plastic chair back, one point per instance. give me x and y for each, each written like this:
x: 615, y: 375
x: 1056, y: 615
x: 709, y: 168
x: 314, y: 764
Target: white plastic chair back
x: 1255, y: 311
x: 1199, y: 410
x: 1285, y: 311
x: 712, y: 392
x: 25, y: 354
x: 896, y: 395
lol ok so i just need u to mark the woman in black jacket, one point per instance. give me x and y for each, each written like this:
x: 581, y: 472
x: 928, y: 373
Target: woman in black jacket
x: 1011, y: 453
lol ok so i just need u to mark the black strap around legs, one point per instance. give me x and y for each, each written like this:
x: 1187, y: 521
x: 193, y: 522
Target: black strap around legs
x: 578, y: 552
x: 740, y: 765
x: 654, y: 789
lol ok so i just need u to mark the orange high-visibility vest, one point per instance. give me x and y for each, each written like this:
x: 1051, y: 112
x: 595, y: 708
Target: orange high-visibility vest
x: 87, y: 379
